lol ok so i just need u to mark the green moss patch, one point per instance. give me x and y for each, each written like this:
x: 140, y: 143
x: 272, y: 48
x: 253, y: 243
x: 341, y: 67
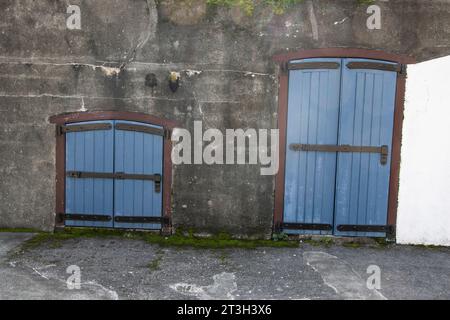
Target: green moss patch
x: 248, y: 6
x: 319, y: 242
x: 178, y: 240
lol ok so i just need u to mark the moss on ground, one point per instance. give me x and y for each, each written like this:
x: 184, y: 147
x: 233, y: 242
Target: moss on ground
x: 319, y: 242
x: 352, y: 245
x: 189, y: 239
x: 178, y: 240
x: 429, y: 247
x: 248, y: 6
x: 155, y: 264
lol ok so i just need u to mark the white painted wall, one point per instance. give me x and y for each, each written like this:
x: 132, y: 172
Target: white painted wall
x: 424, y: 199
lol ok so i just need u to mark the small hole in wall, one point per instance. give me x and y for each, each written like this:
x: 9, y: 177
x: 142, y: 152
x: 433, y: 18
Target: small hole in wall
x: 150, y: 80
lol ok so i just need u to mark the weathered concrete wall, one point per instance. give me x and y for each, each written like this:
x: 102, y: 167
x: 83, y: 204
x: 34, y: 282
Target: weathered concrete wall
x: 46, y: 69
x: 424, y: 204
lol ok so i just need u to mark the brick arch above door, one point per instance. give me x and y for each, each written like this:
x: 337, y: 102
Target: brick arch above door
x: 283, y: 60
x: 76, y: 117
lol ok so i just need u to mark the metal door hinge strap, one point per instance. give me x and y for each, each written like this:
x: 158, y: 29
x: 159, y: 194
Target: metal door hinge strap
x: 307, y: 226
x: 313, y: 65
x: 376, y: 66
x: 139, y: 128
x: 383, y: 150
x: 122, y: 219
x: 87, y: 217
x: 84, y: 127
x: 364, y: 228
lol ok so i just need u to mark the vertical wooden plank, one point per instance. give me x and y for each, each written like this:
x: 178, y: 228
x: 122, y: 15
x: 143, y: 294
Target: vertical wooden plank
x: 320, y: 164
x: 367, y: 116
x: 79, y: 183
x: 128, y: 167
x: 157, y: 167
x: 302, y: 177
x: 375, y: 139
x: 119, y: 145
x: 89, y: 166
x: 148, y: 187
x: 311, y: 138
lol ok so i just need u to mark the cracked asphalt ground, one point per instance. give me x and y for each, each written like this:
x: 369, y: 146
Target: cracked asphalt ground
x: 117, y: 268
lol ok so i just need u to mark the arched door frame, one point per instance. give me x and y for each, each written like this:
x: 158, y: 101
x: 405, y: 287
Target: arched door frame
x: 67, y: 118
x: 283, y: 60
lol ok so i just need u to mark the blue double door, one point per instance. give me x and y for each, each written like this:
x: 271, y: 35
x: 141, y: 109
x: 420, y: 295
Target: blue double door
x: 339, y: 143
x: 114, y: 175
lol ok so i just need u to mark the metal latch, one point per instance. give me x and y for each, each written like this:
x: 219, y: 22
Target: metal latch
x: 157, y: 178
x: 157, y: 183
x: 383, y: 150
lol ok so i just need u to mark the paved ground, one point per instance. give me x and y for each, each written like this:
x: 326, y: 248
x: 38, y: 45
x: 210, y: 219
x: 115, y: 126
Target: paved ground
x: 130, y: 269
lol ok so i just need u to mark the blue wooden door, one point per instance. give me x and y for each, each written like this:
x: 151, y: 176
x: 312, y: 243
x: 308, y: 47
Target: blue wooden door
x: 138, y: 153
x: 89, y: 201
x: 312, y: 119
x: 114, y: 175
x: 330, y: 189
x: 366, y: 119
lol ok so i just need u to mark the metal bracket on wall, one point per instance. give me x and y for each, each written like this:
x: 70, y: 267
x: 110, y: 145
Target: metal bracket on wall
x: 383, y: 150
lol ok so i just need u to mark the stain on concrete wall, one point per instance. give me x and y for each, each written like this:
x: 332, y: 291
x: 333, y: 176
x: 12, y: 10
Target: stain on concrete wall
x: 46, y: 69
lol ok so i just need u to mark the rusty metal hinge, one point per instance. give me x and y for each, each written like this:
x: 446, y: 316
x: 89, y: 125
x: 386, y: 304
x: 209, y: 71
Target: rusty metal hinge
x: 366, y: 228
x: 399, y: 68
x: 62, y: 129
x: 139, y: 128
x: 403, y: 70
x: 86, y: 217
x: 313, y: 65
x: 307, y: 226
x: 167, y: 134
x: 125, y: 219
x: 284, y: 67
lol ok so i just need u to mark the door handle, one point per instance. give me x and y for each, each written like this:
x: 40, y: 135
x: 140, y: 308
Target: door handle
x: 383, y: 150
x: 157, y: 178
